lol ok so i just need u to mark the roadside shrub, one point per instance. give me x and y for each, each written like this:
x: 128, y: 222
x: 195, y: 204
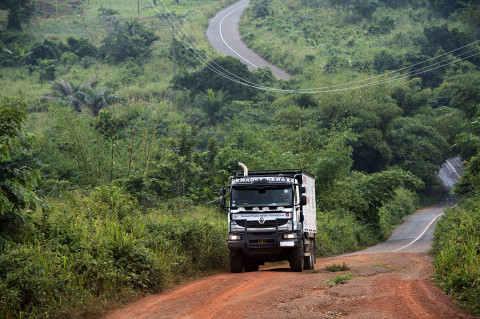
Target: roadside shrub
x: 336, y: 233
x: 456, y: 248
x: 395, y: 210
x: 98, y: 246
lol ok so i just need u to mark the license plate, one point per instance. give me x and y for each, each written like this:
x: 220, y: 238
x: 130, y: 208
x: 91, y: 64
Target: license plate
x: 262, y: 241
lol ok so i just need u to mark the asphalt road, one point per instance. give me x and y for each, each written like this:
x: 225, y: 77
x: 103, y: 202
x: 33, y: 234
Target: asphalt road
x: 224, y: 36
x: 414, y: 235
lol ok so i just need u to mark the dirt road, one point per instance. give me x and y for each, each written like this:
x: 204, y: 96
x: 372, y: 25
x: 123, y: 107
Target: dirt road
x: 393, y: 281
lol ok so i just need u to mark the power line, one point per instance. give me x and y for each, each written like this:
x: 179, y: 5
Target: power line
x: 208, y: 62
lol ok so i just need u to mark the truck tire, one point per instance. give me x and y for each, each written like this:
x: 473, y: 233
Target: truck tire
x: 310, y: 260
x: 236, y: 261
x: 297, y: 257
x: 251, y: 266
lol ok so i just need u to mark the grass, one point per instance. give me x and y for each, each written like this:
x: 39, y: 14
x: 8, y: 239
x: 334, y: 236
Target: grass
x: 301, y: 39
x: 340, y: 279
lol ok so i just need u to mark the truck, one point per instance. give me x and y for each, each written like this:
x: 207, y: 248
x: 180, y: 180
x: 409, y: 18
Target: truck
x: 271, y: 217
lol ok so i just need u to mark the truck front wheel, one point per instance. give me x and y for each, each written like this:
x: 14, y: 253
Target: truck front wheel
x: 237, y: 261
x: 297, y: 257
x: 251, y: 266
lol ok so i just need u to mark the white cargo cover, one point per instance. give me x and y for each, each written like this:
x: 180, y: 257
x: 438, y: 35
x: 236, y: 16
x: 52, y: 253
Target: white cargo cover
x: 309, y: 210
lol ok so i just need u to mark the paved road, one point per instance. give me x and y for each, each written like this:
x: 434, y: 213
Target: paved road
x: 224, y: 36
x: 414, y: 235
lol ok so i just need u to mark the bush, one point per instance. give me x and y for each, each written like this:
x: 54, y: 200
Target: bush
x: 82, y: 47
x: 68, y: 58
x: 457, y: 254
x: 394, y: 211
x: 47, y: 49
x: 130, y: 40
x: 98, y: 247
x: 46, y: 70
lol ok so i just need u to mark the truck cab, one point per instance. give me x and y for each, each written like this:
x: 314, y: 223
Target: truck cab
x: 271, y: 217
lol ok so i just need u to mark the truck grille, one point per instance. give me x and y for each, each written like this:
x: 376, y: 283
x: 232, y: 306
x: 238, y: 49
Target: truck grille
x: 266, y: 224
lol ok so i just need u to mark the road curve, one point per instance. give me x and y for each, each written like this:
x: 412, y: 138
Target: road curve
x: 414, y: 235
x: 223, y: 35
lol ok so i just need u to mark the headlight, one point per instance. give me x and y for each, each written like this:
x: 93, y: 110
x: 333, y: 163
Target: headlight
x: 290, y: 236
x: 234, y: 237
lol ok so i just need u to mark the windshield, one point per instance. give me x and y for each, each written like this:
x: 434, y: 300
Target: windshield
x: 249, y: 197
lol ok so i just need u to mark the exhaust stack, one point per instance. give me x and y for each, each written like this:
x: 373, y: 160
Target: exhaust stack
x: 245, y: 169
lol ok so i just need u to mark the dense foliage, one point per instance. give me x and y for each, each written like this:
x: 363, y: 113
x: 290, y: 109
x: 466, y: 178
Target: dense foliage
x: 457, y: 236
x: 129, y: 136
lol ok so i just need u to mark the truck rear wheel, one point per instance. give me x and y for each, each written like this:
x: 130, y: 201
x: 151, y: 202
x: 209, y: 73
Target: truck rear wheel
x: 310, y: 260
x: 236, y: 261
x: 297, y: 257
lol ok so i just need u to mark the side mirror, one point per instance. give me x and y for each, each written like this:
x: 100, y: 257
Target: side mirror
x: 303, y: 200
x: 303, y: 190
x: 222, y: 191
x: 222, y: 202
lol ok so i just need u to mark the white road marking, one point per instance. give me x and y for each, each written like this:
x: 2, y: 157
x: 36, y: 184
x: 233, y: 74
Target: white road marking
x: 453, y: 168
x: 221, y: 35
x: 420, y: 236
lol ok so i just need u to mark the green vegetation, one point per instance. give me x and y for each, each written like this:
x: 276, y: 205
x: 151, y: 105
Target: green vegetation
x: 340, y: 279
x: 111, y: 160
x: 457, y: 235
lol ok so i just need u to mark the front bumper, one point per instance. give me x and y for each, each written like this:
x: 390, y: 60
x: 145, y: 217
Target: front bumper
x: 261, y: 243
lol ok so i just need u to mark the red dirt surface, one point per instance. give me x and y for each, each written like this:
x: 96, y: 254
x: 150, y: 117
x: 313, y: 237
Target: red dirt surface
x: 388, y: 285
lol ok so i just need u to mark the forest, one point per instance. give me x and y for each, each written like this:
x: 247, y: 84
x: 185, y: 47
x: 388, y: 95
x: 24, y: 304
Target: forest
x: 117, y: 134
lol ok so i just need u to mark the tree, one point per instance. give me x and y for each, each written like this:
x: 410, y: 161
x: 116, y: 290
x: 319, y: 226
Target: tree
x: 19, y: 11
x: 211, y: 108
x: 378, y: 188
x: 131, y: 39
x: 85, y: 94
x: 446, y: 7
x: 440, y: 37
x: 260, y: 8
x: 462, y: 90
x: 418, y: 148
x: 16, y: 180
x: 365, y: 8
x: 470, y: 182
x: 471, y: 16
x: 19, y: 55
x: 68, y: 92
x: 97, y: 99
x: 204, y: 78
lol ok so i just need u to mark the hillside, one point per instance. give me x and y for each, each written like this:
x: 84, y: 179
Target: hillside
x: 117, y: 137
